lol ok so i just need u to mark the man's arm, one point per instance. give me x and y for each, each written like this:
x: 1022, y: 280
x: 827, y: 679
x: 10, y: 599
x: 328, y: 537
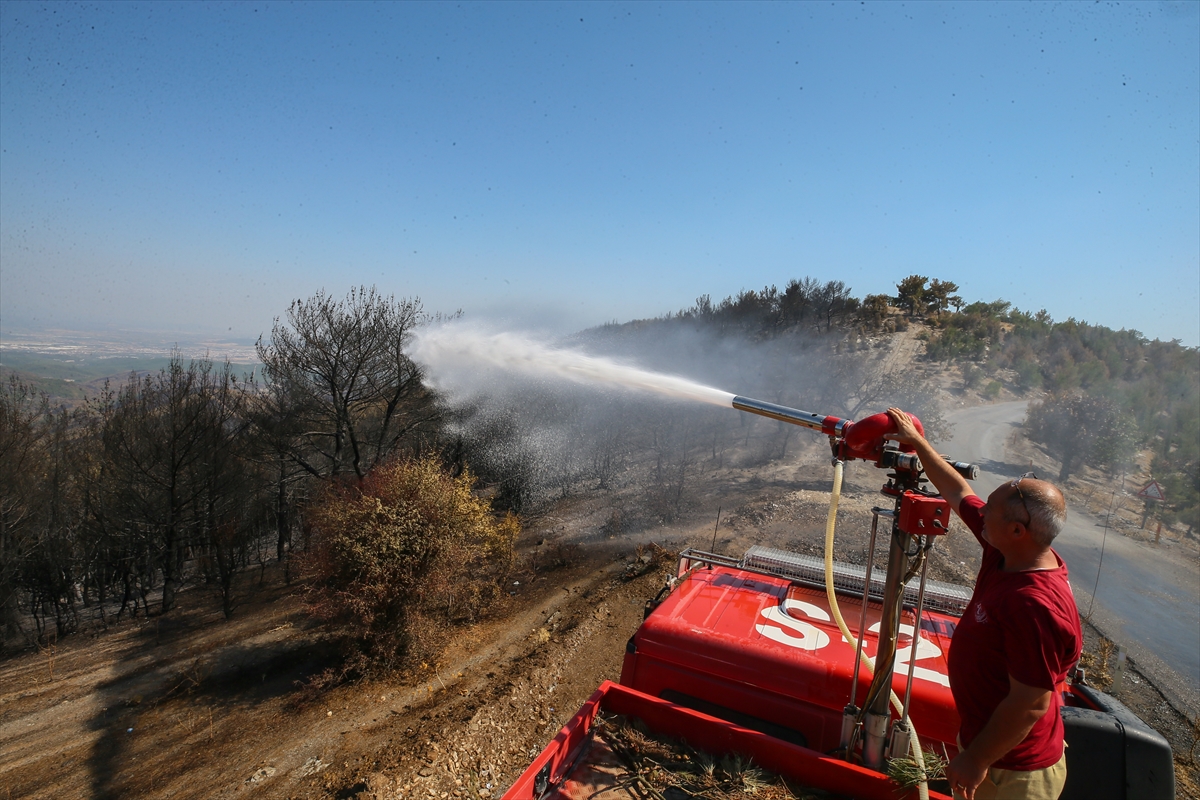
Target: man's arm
x: 1008, y: 726
x: 952, y: 486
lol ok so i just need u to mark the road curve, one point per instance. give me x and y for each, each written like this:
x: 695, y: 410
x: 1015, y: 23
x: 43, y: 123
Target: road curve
x: 1147, y: 597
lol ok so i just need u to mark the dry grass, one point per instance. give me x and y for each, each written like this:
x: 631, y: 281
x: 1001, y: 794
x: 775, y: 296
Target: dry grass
x: 658, y: 768
x: 1095, y: 663
x: 1185, y: 787
x: 50, y: 651
x: 1186, y: 765
x: 1191, y: 754
x: 906, y: 772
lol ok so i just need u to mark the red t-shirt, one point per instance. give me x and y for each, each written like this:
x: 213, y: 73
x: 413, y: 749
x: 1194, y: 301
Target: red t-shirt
x: 1023, y: 624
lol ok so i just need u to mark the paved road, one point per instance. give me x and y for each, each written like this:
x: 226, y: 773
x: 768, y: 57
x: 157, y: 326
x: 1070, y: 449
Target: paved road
x: 1147, y: 597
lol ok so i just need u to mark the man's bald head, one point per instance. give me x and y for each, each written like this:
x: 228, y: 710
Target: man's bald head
x: 1040, y: 506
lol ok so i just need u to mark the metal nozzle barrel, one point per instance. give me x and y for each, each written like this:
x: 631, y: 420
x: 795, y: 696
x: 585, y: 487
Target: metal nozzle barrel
x: 836, y: 426
x: 819, y: 422
x: 968, y: 471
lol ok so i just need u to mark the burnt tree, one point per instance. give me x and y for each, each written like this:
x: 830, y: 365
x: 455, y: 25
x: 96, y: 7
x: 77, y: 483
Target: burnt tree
x: 348, y: 389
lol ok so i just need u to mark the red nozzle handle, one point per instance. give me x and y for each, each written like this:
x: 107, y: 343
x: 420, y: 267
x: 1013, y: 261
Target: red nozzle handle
x: 864, y: 439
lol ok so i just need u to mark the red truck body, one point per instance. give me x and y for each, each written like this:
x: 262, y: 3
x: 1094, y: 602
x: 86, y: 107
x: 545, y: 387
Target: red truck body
x: 766, y: 648
x: 745, y: 662
x: 561, y: 771
x: 736, y: 660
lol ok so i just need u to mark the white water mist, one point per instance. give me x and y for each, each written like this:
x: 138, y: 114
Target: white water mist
x: 458, y: 357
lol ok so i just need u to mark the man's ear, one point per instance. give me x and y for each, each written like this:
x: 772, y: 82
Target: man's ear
x: 1017, y: 530
x: 1007, y: 531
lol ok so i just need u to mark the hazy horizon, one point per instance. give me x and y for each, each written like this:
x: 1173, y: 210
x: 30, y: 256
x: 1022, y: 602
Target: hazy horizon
x: 217, y: 344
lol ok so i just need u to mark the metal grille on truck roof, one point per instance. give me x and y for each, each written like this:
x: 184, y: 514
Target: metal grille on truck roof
x: 947, y: 598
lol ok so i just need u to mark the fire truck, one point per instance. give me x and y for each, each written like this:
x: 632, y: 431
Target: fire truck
x: 823, y: 671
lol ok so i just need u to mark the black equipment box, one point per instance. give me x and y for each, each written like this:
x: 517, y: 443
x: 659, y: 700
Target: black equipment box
x: 1113, y: 754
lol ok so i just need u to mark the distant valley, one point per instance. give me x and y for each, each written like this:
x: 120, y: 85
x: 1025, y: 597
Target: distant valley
x: 69, y: 365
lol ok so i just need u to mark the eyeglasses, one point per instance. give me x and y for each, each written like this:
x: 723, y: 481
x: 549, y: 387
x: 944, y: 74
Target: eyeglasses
x: 1016, y: 484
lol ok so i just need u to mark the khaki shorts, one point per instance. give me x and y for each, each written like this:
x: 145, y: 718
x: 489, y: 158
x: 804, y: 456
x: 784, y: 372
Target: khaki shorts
x: 1011, y: 784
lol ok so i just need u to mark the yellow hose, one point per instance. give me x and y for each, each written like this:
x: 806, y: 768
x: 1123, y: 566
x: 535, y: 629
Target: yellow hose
x: 868, y: 662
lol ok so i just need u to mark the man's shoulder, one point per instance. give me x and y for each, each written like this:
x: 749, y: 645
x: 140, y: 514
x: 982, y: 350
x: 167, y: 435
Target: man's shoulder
x: 971, y: 504
x: 1040, y: 599
x: 1040, y: 590
x: 970, y: 511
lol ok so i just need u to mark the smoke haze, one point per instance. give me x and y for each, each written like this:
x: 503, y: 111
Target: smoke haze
x: 542, y: 417
x: 462, y: 359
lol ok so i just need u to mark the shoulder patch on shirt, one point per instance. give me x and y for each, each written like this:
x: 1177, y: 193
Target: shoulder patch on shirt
x: 980, y: 613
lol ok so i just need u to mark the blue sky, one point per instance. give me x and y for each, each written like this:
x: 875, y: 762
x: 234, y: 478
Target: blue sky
x: 193, y: 167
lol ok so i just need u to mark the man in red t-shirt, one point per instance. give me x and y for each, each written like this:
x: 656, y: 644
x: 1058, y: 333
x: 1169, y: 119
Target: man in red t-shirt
x: 1017, y: 640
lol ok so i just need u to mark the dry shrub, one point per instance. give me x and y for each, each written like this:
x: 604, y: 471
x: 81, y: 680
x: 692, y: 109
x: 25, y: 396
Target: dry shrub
x: 648, y: 557
x: 1095, y: 660
x: 399, y: 555
x: 616, y: 524
x: 551, y: 555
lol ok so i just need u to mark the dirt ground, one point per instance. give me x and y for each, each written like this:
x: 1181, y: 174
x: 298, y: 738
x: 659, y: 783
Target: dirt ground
x: 188, y: 705
x: 206, y: 708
